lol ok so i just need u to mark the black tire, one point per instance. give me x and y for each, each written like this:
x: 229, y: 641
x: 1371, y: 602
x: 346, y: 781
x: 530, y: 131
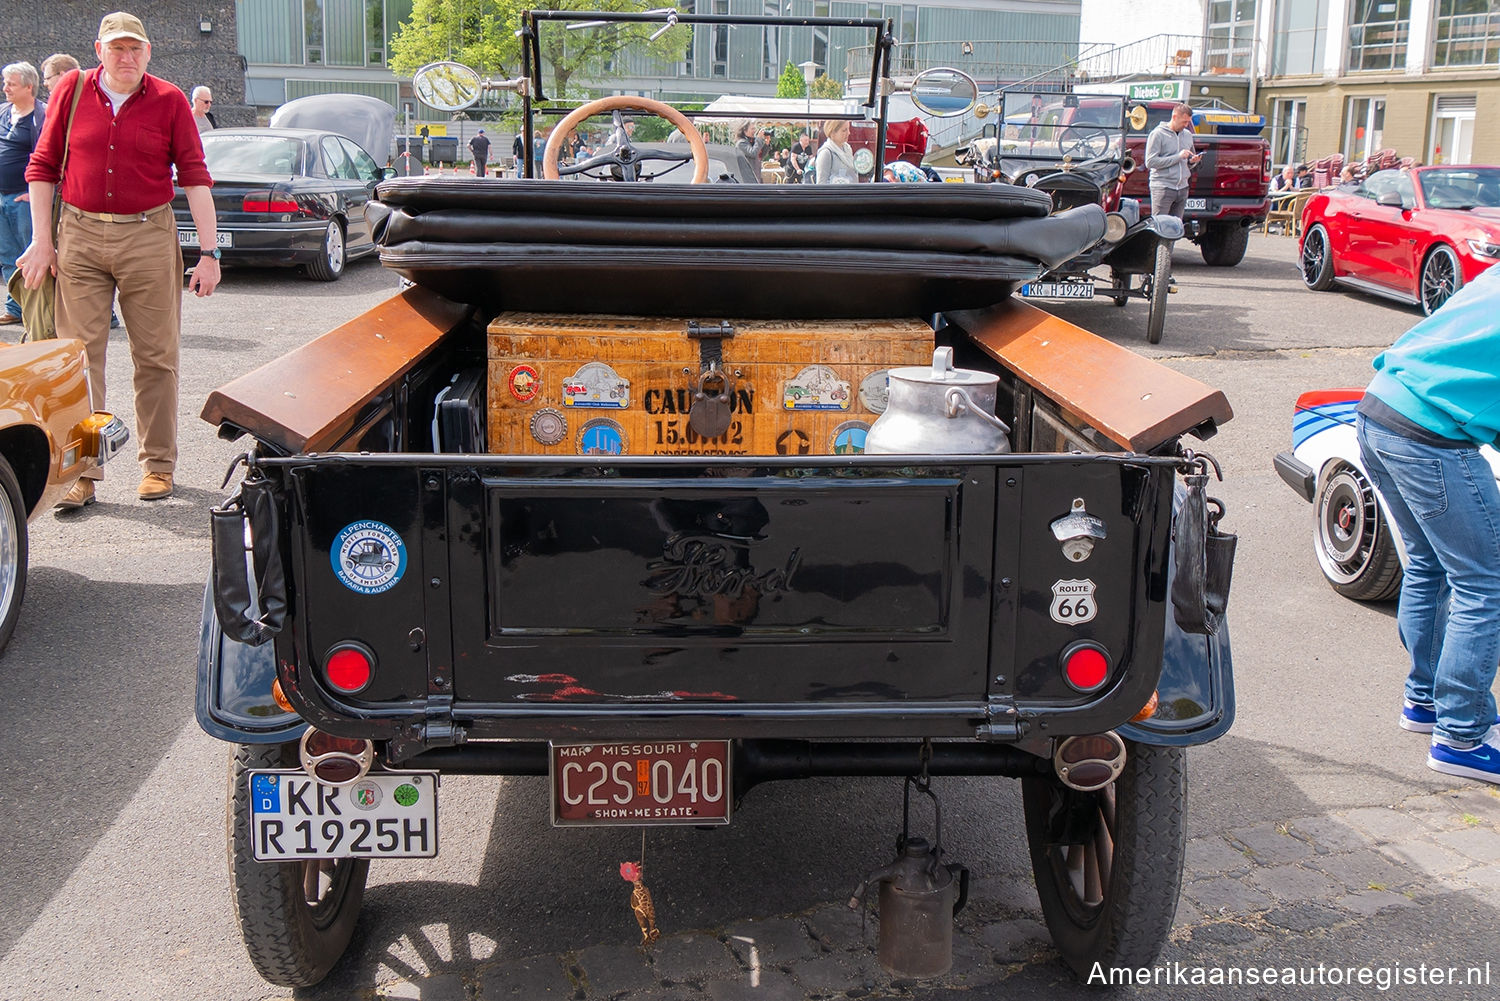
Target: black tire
x: 292, y: 941
x: 1316, y: 261
x: 1161, y: 278
x: 1123, y: 918
x: 333, y: 257
x: 1352, y: 541
x: 1224, y: 246
x: 1441, y: 277
x: 14, y: 552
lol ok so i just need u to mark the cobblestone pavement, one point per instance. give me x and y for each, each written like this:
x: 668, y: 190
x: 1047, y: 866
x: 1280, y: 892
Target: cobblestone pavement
x: 1371, y: 887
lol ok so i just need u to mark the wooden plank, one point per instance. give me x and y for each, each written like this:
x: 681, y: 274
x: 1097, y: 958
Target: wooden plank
x: 1137, y: 403
x: 308, y: 399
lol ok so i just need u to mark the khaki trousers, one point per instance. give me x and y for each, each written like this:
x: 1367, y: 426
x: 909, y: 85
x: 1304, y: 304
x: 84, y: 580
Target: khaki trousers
x: 144, y: 262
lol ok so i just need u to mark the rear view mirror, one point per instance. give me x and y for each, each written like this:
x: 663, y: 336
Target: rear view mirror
x: 944, y: 92
x: 1390, y: 199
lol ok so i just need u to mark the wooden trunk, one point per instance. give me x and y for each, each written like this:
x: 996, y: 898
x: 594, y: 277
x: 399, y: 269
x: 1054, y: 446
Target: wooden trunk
x: 563, y: 385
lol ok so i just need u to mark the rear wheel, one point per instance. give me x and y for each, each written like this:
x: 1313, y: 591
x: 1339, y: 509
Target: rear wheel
x: 1224, y: 246
x: 1161, y: 279
x: 1317, y: 260
x: 13, y: 551
x: 1441, y: 277
x: 1108, y: 864
x: 296, y: 917
x: 1354, y: 546
x: 329, y: 266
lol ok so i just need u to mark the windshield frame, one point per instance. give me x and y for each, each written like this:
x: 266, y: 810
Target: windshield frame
x: 881, y: 85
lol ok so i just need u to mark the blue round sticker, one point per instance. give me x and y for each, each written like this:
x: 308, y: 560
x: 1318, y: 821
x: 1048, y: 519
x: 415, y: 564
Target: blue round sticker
x: 368, y: 557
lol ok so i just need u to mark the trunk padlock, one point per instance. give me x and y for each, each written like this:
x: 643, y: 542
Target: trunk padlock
x: 709, y: 414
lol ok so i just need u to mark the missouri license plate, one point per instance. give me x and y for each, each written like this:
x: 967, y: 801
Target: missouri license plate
x: 189, y: 238
x: 1197, y: 204
x: 641, y: 783
x: 1058, y: 290
x: 383, y: 815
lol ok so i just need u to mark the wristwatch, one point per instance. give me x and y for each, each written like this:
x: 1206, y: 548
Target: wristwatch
x: 216, y: 253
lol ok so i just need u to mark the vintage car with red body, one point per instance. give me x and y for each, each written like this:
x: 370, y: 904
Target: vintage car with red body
x: 1412, y: 235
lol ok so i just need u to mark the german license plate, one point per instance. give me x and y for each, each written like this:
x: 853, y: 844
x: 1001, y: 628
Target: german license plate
x: 1058, y: 290
x: 383, y: 815
x: 640, y: 784
x: 1197, y: 204
x: 189, y: 238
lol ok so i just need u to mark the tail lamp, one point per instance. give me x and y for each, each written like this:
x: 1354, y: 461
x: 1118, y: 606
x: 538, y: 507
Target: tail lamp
x: 1089, y: 762
x: 349, y: 667
x: 1085, y: 666
x: 337, y: 761
x: 270, y: 201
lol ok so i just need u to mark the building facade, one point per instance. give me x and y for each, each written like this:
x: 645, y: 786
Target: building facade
x: 293, y: 48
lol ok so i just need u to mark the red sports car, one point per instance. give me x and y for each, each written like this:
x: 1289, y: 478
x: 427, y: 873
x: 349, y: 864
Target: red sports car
x: 1415, y: 235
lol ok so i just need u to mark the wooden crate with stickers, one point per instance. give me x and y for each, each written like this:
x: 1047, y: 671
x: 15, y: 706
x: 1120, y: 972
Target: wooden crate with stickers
x: 650, y: 386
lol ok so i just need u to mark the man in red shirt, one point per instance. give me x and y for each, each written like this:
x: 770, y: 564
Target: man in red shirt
x: 116, y: 230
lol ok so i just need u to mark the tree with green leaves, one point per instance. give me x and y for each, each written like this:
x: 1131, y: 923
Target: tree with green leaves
x: 791, y: 83
x: 481, y: 34
x: 827, y: 86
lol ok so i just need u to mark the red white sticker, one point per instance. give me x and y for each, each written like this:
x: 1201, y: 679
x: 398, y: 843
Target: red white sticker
x: 524, y: 384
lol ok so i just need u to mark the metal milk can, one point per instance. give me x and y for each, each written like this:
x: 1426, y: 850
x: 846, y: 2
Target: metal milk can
x: 940, y: 410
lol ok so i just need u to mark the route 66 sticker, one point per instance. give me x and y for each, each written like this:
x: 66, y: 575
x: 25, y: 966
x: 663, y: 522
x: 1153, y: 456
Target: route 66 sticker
x: 1073, y: 602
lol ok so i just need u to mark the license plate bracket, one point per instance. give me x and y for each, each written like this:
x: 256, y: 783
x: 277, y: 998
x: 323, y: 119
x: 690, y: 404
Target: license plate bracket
x: 189, y: 238
x: 641, y: 783
x: 1057, y: 290
x: 1196, y: 205
x: 383, y: 815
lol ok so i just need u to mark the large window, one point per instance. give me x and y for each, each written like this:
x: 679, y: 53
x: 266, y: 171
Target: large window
x: 1377, y: 34
x: 1231, y: 32
x: 1301, y: 33
x: 1452, y: 129
x: 1364, y: 130
x: 1289, y: 131
x: 1466, y: 33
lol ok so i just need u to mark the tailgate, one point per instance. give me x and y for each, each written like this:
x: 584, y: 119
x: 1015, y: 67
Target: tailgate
x: 897, y: 598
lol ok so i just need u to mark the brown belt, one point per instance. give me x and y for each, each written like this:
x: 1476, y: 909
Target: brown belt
x: 117, y: 216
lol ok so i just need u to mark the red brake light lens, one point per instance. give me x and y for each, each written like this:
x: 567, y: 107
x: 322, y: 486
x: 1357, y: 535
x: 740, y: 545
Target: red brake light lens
x: 349, y: 668
x: 269, y: 201
x: 1085, y: 666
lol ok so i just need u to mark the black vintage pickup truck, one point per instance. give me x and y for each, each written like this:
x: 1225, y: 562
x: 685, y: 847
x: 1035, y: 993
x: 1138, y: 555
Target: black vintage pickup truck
x: 392, y: 601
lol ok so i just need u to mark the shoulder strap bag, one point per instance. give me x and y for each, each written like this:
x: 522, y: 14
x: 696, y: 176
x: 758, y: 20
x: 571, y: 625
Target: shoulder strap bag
x: 39, y: 305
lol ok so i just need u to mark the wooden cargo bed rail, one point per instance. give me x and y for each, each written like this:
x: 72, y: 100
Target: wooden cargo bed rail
x: 1137, y: 403
x: 308, y: 399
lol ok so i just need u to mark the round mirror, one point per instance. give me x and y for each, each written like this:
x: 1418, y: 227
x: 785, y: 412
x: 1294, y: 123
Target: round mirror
x: 1138, y: 117
x: 447, y: 86
x: 864, y: 161
x: 943, y: 92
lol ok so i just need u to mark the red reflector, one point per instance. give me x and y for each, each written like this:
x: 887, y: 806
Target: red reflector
x: 1086, y: 668
x: 348, y: 669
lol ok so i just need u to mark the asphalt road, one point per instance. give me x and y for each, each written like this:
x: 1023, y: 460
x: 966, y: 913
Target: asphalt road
x: 111, y: 813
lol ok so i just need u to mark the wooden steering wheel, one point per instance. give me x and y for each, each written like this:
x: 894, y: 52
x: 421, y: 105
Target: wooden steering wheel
x: 626, y: 156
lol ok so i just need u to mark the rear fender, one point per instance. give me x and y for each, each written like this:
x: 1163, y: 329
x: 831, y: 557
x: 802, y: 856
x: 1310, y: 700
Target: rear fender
x: 1195, y: 695
x: 234, y: 688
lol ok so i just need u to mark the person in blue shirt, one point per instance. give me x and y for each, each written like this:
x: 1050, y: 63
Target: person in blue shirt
x: 21, y: 118
x: 1434, y: 401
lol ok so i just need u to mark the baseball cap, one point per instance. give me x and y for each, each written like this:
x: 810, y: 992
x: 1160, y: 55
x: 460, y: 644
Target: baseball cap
x: 122, y: 25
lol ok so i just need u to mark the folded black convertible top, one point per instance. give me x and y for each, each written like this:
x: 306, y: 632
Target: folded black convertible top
x: 724, y: 249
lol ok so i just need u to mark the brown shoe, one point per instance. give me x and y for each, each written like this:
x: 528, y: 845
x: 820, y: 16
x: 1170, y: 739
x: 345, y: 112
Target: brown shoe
x: 155, y: 486
x: 6, y: 319
x: 82, y: 495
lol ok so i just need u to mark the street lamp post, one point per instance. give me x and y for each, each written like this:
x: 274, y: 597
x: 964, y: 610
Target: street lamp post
x: 809, y: 74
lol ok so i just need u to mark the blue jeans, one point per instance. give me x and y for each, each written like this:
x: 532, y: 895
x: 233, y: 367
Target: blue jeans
x: 15, y: 235
x: 1445, y: 503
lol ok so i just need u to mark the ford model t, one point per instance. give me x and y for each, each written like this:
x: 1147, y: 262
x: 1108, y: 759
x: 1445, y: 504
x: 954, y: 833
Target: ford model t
x: 666, y: 490
x: 1072, y: 146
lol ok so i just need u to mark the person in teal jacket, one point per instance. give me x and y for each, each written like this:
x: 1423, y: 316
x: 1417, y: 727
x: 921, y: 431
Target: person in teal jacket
x: 1434, y: 400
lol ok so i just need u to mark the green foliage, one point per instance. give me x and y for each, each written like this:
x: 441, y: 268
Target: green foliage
x: 826, y: 86
x: 791, y: 83
x: 651, y: 130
